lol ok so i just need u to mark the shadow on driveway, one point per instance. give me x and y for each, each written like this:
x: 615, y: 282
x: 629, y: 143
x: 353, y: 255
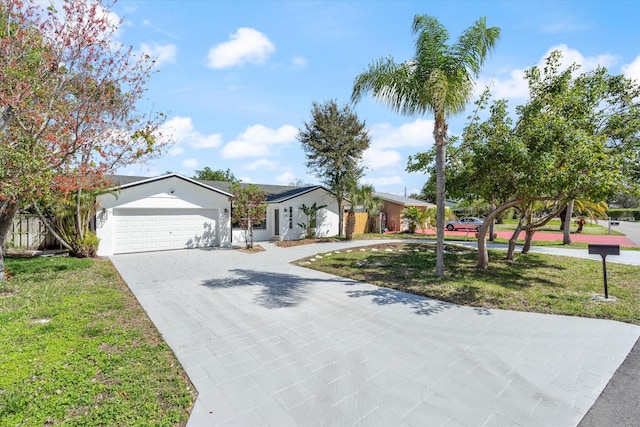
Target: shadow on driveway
x: 278, y: 290
x: 420, y: 305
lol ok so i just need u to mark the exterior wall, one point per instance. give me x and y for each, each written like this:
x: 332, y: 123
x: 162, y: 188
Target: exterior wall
x: 394, y: 216
x: 327, y: 218
x: 393, y: 211
x: 169, y: 193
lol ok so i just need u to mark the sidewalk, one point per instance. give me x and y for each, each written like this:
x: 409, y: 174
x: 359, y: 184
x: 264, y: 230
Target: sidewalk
x: 549, y: 237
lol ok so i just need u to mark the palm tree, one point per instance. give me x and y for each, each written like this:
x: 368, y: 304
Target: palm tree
x: 360, y: 196
x: 438, y: 80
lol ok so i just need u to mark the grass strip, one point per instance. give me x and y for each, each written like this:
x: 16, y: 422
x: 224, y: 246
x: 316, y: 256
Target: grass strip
x: 534, y: 282
x: 77, y: 349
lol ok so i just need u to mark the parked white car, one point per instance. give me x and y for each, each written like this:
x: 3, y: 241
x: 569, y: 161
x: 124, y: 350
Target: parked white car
x: 466, y: 223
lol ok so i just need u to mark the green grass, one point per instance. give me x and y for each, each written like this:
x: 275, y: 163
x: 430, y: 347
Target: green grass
x: 534, y: 282
x: 77, y: 349
x: 471, y: 238
x: 553, y: 226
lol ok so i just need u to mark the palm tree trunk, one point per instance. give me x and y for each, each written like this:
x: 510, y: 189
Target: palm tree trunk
x: 351, y: 224
x: 440, y: 133
x: 566, y: 238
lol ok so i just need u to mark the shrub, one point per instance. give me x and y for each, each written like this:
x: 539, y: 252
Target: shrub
x: 630, y: 214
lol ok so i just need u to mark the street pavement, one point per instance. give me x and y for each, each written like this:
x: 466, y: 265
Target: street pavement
x: 630, y: 229
x: 266, y: 342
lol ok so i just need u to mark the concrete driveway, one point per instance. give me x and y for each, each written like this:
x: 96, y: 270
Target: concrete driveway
x: 272, y: 344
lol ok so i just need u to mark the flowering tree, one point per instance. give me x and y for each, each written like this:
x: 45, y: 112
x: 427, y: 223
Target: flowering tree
x: 249, y: 209
x: 71, y: 92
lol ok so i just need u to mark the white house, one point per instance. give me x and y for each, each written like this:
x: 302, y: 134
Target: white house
x: 175, y: 212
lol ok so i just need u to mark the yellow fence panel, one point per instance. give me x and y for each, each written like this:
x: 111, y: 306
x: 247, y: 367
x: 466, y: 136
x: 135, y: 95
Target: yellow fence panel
x: 361, y: 222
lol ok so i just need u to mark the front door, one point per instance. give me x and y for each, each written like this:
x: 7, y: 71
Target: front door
x: 276, y: 222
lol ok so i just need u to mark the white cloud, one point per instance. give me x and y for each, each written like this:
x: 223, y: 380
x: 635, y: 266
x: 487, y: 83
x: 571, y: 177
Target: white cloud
x: 516, y: 87
x: 189, y: 163
x: 588, y: 63
x: 182, y: 132
x: 376, y: 159
x: 383, y: 180
x: 285, y: 178
x: 415, y: 134
x: 262, y: 164
x: 176, y: 151
x: 258, y: 141
x: 246, y: 179
x: 246, y: 45
x: 160, y: 53
x: 299, y: 62
x: 632, y: 70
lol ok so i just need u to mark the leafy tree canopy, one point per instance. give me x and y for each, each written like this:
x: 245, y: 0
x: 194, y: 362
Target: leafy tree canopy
x: 334, y: 141
x: 207, y: 174
x: 249, y: 208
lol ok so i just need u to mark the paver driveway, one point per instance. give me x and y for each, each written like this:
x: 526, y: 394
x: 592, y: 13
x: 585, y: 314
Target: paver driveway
x: 269, y: 343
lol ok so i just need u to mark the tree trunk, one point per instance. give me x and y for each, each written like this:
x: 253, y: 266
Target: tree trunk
x: 440, y: 135
x: 79, y: 229
x: 340, y: 217
x: 351, y: 224
x: 51, y: 230
x: 483, y: 254
x: 511, y: 250
x: 563, y: 215
x: 492, y: 207
x: 527, y: 241
x: 8, y: 211
x: 566, y: 238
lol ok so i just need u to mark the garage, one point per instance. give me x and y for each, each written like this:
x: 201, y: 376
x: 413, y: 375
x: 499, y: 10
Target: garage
x: 142, y: 230
x: 163, y: 213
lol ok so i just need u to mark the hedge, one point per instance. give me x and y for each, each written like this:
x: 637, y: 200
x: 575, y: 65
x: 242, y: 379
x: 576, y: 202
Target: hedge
x: 624, y: 214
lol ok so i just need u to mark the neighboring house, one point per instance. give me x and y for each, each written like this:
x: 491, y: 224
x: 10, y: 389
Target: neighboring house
x: 392, y: 210
x: 175, y: 212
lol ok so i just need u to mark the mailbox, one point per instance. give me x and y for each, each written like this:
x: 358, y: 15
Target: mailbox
x: 603, y: 251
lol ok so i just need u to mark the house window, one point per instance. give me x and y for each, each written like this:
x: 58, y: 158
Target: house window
x: 290, y: 217
x: 261, y: 226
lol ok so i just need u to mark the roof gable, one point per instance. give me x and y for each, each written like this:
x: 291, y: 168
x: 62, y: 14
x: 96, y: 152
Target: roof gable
x: 123, y: 182
x: 405, y: 201
x: 275, y: 193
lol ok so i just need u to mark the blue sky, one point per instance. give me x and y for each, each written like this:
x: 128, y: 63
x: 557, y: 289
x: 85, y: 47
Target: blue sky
x: 237, y: 78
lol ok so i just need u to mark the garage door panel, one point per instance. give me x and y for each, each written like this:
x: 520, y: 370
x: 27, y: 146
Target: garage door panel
x: 139, y: 230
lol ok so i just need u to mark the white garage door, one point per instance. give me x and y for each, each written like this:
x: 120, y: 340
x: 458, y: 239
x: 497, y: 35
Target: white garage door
x: 142, y: 230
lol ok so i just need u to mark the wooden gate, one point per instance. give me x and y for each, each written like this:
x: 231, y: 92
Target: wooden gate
x: 361, y: 222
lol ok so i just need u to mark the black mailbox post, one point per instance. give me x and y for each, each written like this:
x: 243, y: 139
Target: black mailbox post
x: 603, y: 251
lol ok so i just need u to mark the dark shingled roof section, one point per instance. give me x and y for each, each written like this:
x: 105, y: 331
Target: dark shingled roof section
x: 275, y: 193
x: 120, y: 180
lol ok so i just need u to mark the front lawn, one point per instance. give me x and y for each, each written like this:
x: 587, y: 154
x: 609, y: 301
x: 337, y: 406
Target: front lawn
x: 534, y: 282
x: 76, y: 348
x: 601, y: 228
x: 471, y: 238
